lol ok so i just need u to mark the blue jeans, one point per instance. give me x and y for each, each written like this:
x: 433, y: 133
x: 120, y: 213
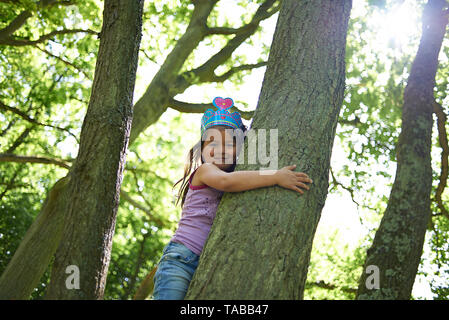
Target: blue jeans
x: 174, y: 272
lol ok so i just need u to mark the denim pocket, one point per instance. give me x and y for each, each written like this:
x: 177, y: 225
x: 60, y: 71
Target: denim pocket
x: 179, y: 252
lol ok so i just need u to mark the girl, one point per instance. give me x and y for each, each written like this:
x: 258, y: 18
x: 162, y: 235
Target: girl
x: 201, y: 194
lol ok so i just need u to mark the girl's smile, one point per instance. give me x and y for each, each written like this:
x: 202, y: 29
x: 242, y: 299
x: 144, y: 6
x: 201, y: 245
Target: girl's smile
x: 219, y: 147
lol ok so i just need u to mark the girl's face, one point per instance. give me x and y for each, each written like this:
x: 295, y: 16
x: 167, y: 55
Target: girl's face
x: 219, y: 147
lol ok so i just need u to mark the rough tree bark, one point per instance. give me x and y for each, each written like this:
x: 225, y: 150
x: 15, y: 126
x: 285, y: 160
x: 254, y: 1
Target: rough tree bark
x: 92, y: 194
x: 259, y: 246
x: 398, y: 243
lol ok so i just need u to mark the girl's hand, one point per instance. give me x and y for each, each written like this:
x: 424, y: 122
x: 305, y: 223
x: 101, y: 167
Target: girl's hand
x: 289, y: 179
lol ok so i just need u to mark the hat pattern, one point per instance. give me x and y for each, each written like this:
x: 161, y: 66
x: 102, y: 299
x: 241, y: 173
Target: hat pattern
x: 221, y: 116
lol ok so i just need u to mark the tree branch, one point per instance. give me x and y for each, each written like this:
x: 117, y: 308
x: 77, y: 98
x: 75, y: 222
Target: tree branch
x: 328, y: 286
x: 19, y: 21
x: 29, y: 119
x: 194, y: 34
x: 20, y: 139
x: 201, y: 107
x: 351, y: 192
x: 64, y: 61
x: 146, y: 287
x: 262, y: 13
x: 9, y: 126
x: 337, y: 183
x: 125, y: 196
x: 205, y: 72
x: 20, y: 42
x: 225, y: 53
x: 442, y: 138
x: 148, y: 57
x: 224, y: 30
x: 233, y: 70
x: 147, y: 171
x: 186, y: 107
x: 354, y: 122
x: 16, y: 24
x: 9, y: 157
x: 10, y: 185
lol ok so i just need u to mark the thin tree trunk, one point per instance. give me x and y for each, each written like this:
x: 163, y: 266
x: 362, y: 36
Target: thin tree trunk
x: 260, y: 243
x: 398, y: 243
x: 94, y: 188
x: 146, y: 286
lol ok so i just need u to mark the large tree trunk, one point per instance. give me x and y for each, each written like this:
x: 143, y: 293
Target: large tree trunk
x: 92, y: 194
x: 398, y: 243
x: 259, y: 246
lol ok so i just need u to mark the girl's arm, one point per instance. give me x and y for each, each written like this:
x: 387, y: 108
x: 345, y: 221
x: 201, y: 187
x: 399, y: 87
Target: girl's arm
x: 237, y: 181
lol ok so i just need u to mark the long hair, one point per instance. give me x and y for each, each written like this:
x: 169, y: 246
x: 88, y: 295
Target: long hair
x: 194, y: 160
